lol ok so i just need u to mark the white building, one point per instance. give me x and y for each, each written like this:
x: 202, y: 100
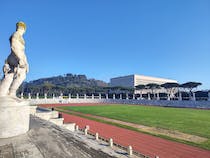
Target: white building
x: 134, y: 80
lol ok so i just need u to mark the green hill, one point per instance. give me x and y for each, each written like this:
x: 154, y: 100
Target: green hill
x: 68, y: 83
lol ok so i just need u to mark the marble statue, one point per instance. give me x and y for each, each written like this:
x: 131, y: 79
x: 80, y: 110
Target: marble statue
x: 16, y: 65
x: 14, y: 112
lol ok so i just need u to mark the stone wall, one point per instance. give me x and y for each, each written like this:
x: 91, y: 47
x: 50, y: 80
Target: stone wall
x: 167, y: 103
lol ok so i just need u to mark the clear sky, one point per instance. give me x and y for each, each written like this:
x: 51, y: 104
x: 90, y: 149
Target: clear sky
x: 110, y: 38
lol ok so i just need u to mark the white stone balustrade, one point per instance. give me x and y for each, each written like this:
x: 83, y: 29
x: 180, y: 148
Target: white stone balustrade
x: 76, y: 127
x: 193, y: 98
x: 45, y: 96
x: 162, y: 101
x: 111, y: 142
x: 21, y: 95
x: 37, y: 95
x: 97, y: 136
x: 140, y: 95
x: 61, y: 96
x: 107, y: 96
x: 158, y: 96
x: 149, y: 97
x: 29, y: 95
x: 86, y: 131
x: 168, y: 97
x: 87, y: 127
x: 180, y: 96
x: 130, y: 150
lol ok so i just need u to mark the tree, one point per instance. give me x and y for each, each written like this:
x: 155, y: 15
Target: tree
x: 119, y: 89
x: 47, y: 87
x: 140, y: 87
x: 190, y: 86
x: 170, y: 87
x: 152, y: 87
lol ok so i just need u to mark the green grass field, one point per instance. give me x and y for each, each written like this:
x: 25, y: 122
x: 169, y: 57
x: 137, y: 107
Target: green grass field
x: 191, y: 121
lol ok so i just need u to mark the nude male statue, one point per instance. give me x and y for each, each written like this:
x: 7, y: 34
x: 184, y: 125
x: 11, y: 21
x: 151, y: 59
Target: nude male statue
x: 16, y: 65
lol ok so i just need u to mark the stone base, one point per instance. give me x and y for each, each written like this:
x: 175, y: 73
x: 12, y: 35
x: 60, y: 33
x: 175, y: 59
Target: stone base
x: 14, y: 117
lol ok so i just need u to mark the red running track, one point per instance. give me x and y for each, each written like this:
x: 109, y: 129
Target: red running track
x: 146, y: 144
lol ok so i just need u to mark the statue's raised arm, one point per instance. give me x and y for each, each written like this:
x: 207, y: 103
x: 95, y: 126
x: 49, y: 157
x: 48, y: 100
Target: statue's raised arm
x: 16, y: 65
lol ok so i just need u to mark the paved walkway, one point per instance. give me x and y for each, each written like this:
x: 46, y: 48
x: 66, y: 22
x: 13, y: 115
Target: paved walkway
x: 148, y: 145
x: 47, y: 140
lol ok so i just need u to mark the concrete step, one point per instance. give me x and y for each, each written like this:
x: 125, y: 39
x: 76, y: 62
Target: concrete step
x: 47, y: 115
x: 54, y: 114
x: 33, y: 110
x: 57, y: 121
x: 43, y: 115
x: 70, y: 126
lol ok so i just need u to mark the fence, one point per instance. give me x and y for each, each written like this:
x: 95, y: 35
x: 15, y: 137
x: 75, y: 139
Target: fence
x: 129, y: 149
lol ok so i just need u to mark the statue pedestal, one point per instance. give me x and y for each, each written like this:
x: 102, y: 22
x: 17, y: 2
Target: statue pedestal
x: 14, y: 117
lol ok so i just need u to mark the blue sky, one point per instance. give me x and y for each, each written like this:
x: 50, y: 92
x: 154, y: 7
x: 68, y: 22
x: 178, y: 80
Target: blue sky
x: 109, y: 38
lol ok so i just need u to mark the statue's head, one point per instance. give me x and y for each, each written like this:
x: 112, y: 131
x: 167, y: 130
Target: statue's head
x: 21, y: 26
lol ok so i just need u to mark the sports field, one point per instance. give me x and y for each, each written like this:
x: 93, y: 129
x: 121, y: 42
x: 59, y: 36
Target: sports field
x: 190, y: 121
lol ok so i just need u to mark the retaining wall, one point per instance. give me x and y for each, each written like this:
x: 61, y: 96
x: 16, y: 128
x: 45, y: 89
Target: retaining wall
x: 168, y: 103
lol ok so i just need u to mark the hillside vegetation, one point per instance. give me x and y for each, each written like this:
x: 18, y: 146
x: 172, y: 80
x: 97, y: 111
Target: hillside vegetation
x: 68, y: 83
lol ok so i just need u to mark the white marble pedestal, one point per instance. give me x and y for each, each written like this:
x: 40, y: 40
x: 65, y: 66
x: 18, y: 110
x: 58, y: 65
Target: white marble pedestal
x: 14, y: 117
